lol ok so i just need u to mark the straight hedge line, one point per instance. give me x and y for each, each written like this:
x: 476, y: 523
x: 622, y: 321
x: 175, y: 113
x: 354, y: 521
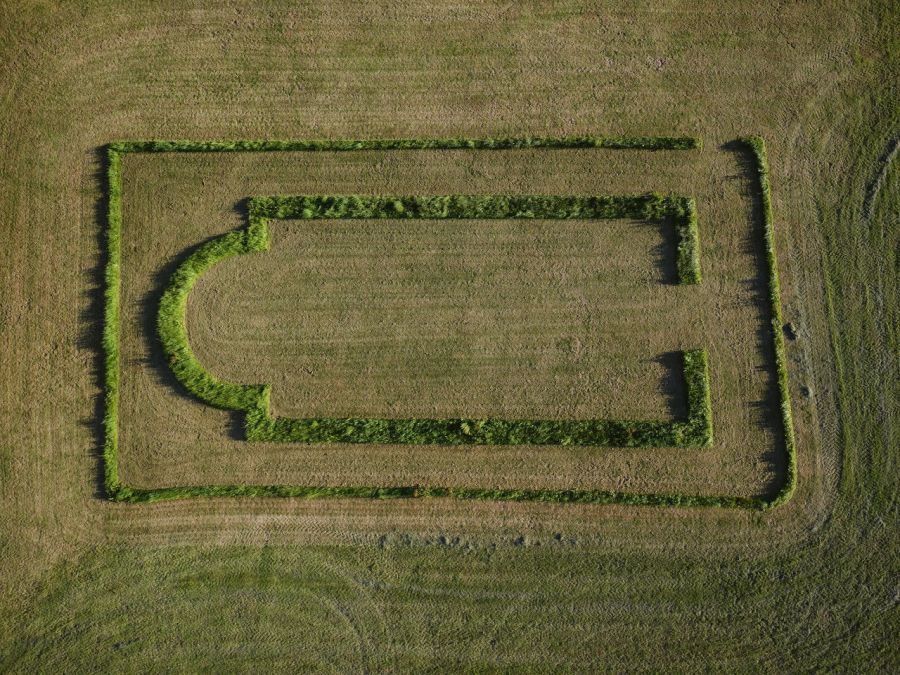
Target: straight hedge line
x: 757, y: 147
x: 138, y: 496
x: 110, y: 337
x: 688, y: 243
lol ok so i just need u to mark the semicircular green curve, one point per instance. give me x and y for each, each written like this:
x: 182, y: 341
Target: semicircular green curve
x: 171, y: 324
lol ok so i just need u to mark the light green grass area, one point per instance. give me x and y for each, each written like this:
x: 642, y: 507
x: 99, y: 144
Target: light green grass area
x: 452, y: 585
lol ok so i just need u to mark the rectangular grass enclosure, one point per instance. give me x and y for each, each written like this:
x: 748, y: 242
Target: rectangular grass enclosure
x: 252, y: 401
x: 696, y: 430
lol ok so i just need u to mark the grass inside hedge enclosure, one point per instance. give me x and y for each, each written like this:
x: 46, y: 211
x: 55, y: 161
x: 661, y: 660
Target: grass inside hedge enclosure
x: 253, y: 399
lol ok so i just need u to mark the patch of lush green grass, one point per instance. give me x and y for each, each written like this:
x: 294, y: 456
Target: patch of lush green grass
x: 134, y: 495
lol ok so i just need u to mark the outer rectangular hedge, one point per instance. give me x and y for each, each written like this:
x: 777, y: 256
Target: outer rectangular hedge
x: 254, y: 399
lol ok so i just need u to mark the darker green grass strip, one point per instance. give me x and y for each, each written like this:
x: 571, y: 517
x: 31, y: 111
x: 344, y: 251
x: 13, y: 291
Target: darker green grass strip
x: 343, y: 145
x: 143, y: 496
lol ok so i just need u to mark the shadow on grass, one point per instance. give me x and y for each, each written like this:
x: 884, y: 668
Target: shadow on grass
x: 90, y: 333
x: 673, y: 386
x: 665, y: 253
x: 766, y: 412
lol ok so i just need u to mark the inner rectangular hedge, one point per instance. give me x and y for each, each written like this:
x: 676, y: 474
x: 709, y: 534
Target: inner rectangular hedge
x: 254, y: 237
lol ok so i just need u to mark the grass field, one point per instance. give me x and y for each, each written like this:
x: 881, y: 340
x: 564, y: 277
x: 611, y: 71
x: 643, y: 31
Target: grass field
x: 433, y: 318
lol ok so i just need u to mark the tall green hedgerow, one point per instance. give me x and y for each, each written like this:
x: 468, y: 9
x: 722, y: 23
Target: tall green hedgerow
x: 111, y: 325
x: 253, y: 399
x: 425, y: 492
x: 343, y: 145
x: 757, y: 147
x: 688, y: 234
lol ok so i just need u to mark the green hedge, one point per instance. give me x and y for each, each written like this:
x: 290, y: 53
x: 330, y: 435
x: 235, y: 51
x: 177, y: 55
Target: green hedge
x: 341, y: 145
x: 111, y: 325
x: 681, y: 210
x: 757, y: 147
x: 173, y: 331
x: 253, y: 399
x: 418, y: 492
x: 688, y: 235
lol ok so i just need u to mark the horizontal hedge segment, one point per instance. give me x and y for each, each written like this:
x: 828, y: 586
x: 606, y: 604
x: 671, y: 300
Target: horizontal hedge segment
x: 138, y: 496
x: 465, y: 206
x: 757, y: 147
x: 338, y: 145
x: 682, y: 210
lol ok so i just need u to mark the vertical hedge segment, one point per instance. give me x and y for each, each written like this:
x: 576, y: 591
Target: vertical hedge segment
x: 111, y: 325
x: 688, y: 234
